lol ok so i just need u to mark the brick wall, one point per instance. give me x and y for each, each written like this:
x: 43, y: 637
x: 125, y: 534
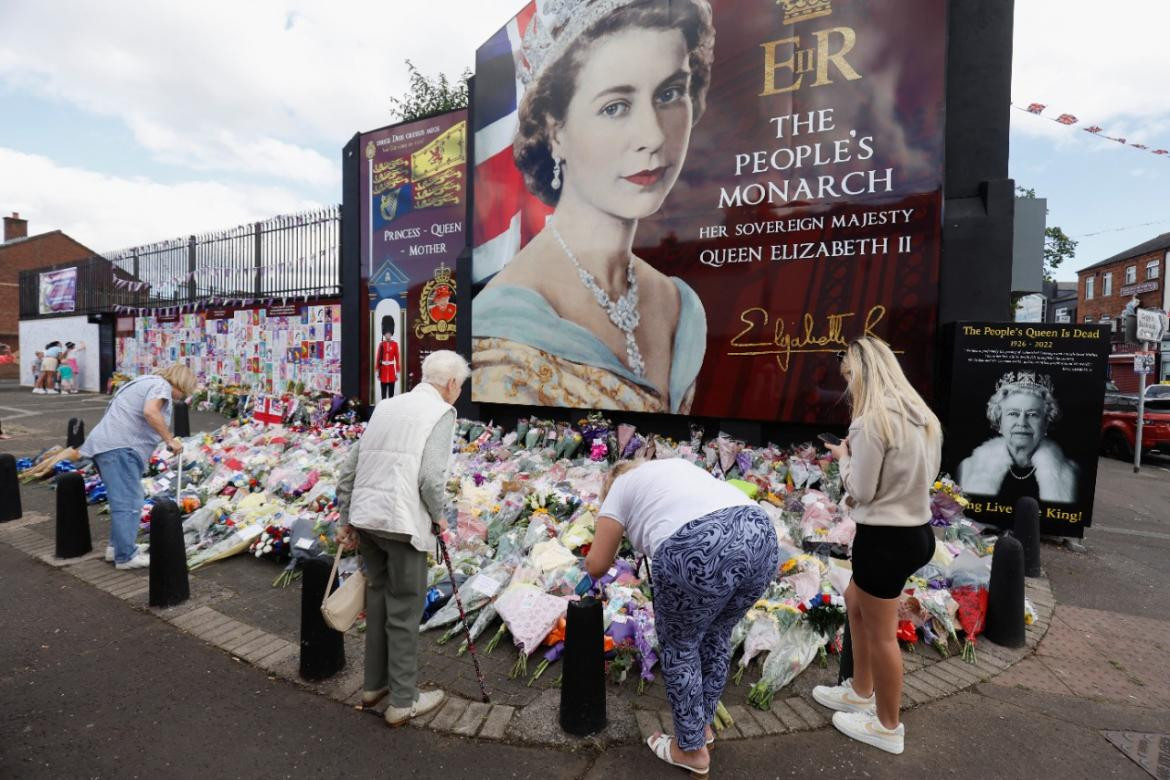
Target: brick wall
x: 37, y: 251
x: 1150, y: 290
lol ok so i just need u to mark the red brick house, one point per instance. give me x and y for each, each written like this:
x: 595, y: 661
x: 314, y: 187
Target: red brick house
x: 1104, y: 288
x: 21, y: 252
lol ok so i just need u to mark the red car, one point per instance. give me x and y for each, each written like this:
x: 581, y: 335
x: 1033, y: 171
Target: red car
x: 1119, y: 427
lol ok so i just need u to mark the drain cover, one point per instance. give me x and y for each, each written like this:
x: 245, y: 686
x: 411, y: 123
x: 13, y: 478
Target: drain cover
x: 1149, y: 751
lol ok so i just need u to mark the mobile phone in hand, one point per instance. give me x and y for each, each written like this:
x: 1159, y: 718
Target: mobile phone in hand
x: 829, y: 438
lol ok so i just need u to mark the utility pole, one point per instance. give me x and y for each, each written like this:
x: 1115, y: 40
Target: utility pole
x: 1137, y: 446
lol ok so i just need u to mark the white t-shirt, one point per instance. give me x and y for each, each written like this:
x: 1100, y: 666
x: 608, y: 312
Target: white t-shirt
x: 661, y: 496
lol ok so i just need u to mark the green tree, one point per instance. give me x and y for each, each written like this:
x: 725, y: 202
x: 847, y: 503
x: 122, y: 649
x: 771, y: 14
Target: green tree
x: 427, y: 96
x: 1058, y: 247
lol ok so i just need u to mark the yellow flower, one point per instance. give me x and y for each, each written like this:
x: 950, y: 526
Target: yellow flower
x: 938, y: 486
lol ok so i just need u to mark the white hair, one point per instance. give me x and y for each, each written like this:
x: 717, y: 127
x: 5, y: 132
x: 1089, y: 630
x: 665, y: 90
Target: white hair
x: 441, y: 366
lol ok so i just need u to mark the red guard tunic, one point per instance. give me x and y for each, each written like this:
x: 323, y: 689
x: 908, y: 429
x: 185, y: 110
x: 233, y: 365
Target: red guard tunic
x: 388, y: 361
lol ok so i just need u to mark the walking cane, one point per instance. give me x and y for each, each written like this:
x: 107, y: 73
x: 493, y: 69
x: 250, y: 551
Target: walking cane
x: 179, y: 483
x: 462, y: 614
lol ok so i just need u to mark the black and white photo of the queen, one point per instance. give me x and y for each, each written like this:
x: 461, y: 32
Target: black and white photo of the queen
x: 1020, y: 460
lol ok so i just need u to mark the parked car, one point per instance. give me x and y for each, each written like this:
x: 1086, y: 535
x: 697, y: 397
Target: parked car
x: 1119, y: 428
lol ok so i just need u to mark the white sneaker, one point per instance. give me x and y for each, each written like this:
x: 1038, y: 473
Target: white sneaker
x: 139, y: 548
x: 843, y: 698
x: 38, y: 391
x: 397, y: 716
x: 140, y: 560
x: 865, y: 727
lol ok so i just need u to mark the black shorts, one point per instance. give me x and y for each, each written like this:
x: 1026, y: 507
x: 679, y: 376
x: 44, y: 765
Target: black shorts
x: 884, y: 557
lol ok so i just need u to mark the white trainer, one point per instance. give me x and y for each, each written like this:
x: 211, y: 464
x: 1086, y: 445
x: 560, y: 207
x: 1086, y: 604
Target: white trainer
x: 843, y: 698
x: 397, y: 716
x: 139, y: 548
x: 140, y: 560
x: 38, y: 391
x: 865, y: 727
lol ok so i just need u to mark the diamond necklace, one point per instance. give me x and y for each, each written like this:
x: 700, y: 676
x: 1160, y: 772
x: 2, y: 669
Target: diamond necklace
x: 623, y: 313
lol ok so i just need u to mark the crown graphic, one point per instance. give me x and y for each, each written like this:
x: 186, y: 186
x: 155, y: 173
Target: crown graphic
x: 370, y: 150
x: 803, y: 10
x: 554, y: 26
x: 1024, y: 380
x: 443, y: 274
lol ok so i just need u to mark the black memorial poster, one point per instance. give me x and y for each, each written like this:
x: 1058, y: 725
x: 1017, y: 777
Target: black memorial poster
x: 1025, y: 420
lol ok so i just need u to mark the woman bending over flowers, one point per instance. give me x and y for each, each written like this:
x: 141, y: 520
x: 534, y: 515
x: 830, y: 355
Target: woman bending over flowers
x: 714, y: 552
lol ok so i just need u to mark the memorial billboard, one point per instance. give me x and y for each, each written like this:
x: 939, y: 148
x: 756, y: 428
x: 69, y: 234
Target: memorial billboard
x: 689, y: 207
x: 1025, y: 420
x: 413, y: 182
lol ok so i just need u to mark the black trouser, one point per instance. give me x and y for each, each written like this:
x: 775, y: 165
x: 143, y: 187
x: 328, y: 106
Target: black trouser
x: 388, y: 389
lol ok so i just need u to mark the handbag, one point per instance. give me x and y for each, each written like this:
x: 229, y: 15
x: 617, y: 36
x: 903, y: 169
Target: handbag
x: 341, y: 607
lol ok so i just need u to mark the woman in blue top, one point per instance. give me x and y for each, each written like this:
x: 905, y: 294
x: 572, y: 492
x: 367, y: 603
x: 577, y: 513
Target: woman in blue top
x: 575, y: 319
x: 138, y: 417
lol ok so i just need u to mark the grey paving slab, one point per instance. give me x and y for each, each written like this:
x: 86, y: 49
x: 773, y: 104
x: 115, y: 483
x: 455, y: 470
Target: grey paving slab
x: 473, y: 717
x: 496, y: 723
x: 814, y: 716
x: 450, y: 714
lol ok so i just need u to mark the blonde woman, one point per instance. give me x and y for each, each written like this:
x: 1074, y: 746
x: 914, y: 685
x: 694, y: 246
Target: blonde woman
x: 888, y: 463
x: 138, y: 417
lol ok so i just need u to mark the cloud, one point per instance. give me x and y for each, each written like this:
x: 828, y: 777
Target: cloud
x: 111, y: 212
x: 1103, y: 62
x: 263, y: 87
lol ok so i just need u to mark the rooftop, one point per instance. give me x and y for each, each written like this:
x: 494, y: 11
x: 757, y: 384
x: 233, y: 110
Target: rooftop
x: 1153, y: 245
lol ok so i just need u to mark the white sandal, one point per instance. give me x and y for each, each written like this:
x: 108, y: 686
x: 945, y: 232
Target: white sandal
x: 661, y: 747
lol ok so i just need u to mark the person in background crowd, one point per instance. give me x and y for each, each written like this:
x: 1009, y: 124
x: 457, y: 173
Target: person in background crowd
x: 714, y: 553
x: 137, y: 418
x: 69, y: 369
x: 888, y: 463
x: 46, y: 382
x: 38, y: 359
x: 390, y: 496
x: 64, y: 372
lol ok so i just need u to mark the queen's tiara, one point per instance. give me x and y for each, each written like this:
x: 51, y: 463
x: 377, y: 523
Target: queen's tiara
x: 554, y: 27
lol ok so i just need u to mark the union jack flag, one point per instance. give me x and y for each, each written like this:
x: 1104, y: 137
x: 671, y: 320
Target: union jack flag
x: 507, y: 216
x: 1036, y: 108
x: 1067, y: 119
x: 1092, y: 129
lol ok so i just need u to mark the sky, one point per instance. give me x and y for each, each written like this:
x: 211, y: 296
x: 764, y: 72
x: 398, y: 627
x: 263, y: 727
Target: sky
x: 124, y: 122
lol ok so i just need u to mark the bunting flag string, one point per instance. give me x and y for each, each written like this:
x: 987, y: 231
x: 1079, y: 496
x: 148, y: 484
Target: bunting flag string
x: 1069, y: 120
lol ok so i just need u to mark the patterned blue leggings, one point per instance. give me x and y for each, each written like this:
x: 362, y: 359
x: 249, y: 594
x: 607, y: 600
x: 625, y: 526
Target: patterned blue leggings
x: 706, y: 576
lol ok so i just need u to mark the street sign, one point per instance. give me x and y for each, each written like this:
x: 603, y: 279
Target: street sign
x: 1150, y: 324
x: 1143, y: 362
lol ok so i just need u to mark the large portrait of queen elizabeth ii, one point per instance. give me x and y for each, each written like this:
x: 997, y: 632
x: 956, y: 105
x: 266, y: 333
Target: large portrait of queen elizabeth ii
x: 573, y: 317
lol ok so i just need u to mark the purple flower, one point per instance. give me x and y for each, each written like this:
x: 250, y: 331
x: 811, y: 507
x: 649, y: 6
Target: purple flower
x: 744, y: 461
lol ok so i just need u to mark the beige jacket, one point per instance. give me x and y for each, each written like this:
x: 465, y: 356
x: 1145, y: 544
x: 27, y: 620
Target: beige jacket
x: 891, y: 485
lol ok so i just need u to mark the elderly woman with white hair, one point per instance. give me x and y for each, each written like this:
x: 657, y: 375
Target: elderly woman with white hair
x: 390, y: 495
x: 1021, y: 460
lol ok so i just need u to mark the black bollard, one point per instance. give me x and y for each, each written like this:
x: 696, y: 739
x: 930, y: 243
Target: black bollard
x: 73, y: 539
x: 583, y: 678
x: 168, y: 556
x: 1005, y: 594
x: 10, y: 508
x: 322, y: 648
x: 181, y: 419
x: 846, y: 670
x: 1027, y: 530
x: 75, y: 432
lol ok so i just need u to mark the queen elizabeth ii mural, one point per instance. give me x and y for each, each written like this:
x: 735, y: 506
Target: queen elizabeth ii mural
x: 612, y: 90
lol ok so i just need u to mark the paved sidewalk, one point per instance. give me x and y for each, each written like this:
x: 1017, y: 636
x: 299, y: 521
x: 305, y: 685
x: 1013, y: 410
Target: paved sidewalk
x: 1091, y: 701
